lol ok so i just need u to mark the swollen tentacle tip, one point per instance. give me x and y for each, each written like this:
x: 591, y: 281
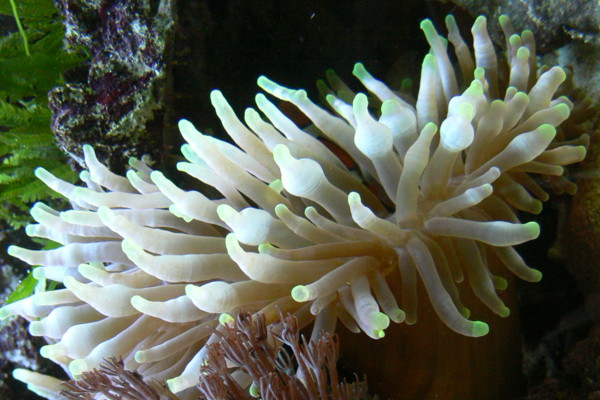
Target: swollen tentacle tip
x: 14, y: 251
x: 138, y: 302
x: 77, y: 367
x: 232, y: 245
x: 523, y: 53
x: 479, y: 328
x: 427, y: 27
x: 36, y: 328
x: 330, y: 98
x: 480, y: 23
x: 157, y: 177
x: 533, y: 229
x: 299, y: 95
x: 300, y: 293
x: 378, y: 333
x: 131, y: 250
x: 225, y: 319
x: 265, y: 248
x: 217, y: 99
x: 359, y: 106
x: 173, y: 209
x: 581, y: 153
x: 515, y: 40
x: 280, y: 209
x: 536, y: 276
x: 176, y: 384
x: 505, y: 312
x: 547, y: 131
x: 274, y: 88
x: 226, y: 213
x: 465, y: 312
x: 276, y: 186
x: 397, y: 315
x: 254, y: 390
x: 20, y: 374
x: 107, y: 216
x: 185, y: 125
x: 380, y: 321
x: 281, y: 154
x: 88, y: 150
x: 563, y: 110
x: 140, y: 356
x: 359, y: 71
x: 500, y: 283
x: 354, y: 198
x: 49, y: 351
x: 42, y: 174
x: 265, y: 82
x: 429, y: 62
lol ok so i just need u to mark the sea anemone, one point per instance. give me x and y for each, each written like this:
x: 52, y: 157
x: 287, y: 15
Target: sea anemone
x: 148, y: 267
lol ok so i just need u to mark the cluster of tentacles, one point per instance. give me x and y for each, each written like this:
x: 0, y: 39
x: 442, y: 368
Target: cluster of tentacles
x: 148, y: 267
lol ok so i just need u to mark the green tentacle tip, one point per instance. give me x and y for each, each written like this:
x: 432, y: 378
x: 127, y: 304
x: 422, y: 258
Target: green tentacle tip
x: 465, y: 312
x: 254, y: 390
x: 406, y: 85
x: 479, y: 329
x: 500, y: 283
x: 139, y: 356
x: 481, y: 20
x: 536, y: 206
x: 397, y: 315
x: 300, y: 293
x: 427, y: 27
x: 536, y: 275
x: 547, y: 130
x: 429, y: 61
x: 380, y: 321
x: 533, y: 229
x: 515, y: 40
x: 13, y: 250
x: 266, y: 248
x: 359, y: 70
x: 225, y: 319
x: 330, y: 99
x: 505, y: 312
x: 563, y: 110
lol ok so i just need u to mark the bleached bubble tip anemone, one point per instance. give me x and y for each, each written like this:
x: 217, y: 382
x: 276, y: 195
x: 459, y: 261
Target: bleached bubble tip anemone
x: 151, y: 270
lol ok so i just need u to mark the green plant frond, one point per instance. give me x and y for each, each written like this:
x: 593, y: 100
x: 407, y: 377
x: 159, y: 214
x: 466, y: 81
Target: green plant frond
x: 32, y: 61
x: 14, y: 140
x: 31, y: 189
x: 30, y: 9
x: 23, y: 290
x: 18, y: 116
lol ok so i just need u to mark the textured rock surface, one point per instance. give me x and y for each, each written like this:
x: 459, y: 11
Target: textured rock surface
x: 120, y: 105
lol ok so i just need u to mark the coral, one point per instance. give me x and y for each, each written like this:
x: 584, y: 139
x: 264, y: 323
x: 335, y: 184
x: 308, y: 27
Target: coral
x: 309, y: 372
x: 114, y: 382
x: 148, y: 267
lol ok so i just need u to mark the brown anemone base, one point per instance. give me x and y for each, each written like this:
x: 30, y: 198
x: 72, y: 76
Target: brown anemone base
x: 429, y: 361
